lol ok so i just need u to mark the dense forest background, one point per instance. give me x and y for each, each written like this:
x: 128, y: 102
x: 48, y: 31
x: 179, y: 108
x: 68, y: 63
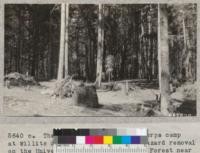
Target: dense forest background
x: 130, y: 47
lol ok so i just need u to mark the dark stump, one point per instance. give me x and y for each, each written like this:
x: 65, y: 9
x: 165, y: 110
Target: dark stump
x: 86, y: 96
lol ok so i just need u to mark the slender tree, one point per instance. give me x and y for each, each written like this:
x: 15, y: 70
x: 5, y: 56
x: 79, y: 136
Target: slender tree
x: 20, y: 39
x: 163, y: 58
x: 66, y: 38
x: 100, y: 45
x: 62, y: 43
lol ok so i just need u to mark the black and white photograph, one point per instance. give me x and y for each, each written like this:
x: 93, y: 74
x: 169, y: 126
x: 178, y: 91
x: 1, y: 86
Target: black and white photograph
x: 137, y: 60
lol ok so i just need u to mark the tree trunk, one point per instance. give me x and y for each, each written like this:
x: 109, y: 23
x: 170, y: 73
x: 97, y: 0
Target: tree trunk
x: 123, y: 64
x: 20, y: 41
x: 78, y: 70
x: 50, y: 51
x: 163, y: 58
x: 100, y: 45
x: 187, y: 55
x: 62, y: 43
x: 87, y: 62
x: 35, y: 61
x: 184, y: 51
x: 184, y: 33
x: 66, y: 38
x: 140, y: 53
x: 149, y: 50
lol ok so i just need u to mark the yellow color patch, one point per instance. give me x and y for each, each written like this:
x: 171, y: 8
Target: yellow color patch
x: 107, y: 140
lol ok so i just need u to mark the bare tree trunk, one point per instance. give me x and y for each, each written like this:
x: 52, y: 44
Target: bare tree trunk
x: 20, y: 41
x: 140, y: 55
x: 184, y: 50
x: 66, y: 38
x: 184, y: 33
x: 35, y: 59
x: 50, y: 51
x: 100, y: 45
x: 163, y: 58
x: 62, y: 43
x: 149, y: 50
x: 187, y: 55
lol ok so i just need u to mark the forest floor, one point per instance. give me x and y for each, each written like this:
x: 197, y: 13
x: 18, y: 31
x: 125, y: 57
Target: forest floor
x: 21, y: 102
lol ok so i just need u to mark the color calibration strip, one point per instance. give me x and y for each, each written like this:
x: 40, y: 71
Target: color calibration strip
x: 101, y: 132
x: 100, y: 136
x: 100, y: 140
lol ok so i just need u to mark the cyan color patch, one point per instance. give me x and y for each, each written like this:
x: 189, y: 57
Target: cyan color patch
x: 126, y: 140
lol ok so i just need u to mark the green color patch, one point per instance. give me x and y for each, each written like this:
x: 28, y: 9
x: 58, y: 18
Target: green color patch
x: 117, y: 140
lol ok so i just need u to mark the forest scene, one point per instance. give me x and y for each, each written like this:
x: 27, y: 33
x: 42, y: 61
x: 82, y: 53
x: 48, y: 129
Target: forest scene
x: 100, y: 60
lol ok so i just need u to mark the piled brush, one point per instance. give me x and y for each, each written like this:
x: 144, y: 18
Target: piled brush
x: 82, y: 94
x: 64, y: 88
x: 17, y: 79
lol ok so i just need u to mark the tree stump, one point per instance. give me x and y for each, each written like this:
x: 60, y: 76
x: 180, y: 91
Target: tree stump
x: 86, y: 96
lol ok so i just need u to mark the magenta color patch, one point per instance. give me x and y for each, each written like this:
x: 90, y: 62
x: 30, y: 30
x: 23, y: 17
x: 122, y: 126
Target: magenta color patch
x: 89, y: 139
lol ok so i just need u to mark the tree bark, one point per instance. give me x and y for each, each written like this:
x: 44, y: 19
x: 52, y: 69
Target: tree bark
x: 163, y: 49
x: 62, y: 43
x: 35, y: 58
x: 66, y: 38
x: 100, y: 45
x: 184, y: 50
x: 20, y: 40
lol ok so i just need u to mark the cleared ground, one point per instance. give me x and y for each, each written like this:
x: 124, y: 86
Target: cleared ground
x: 18, y: 101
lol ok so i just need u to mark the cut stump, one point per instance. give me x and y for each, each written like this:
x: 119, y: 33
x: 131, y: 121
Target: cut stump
x: 86, y: 96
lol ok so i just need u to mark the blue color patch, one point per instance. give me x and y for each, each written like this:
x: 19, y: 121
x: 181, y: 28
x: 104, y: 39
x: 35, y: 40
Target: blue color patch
x: 135, y: 140
x: 126, y: 140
